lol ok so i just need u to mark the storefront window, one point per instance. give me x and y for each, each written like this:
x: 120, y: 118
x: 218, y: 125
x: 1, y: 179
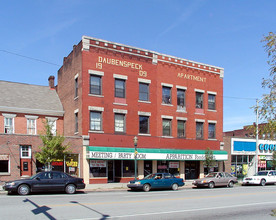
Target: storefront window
x: 97, y: 168
x: 128, y: 168
x: 147, y: 167
x: 162, y: 166
x: 72, y: 164
x: 174, y: 168
x: 240, y: 164
x: 4, y: 164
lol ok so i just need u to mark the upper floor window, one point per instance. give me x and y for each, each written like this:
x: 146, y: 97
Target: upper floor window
x: 211, y: 130
x: 181, y: 128
x: 76, y: 87
x: 167, y: 127
x: 120, y: 88
x: 143, y: 124
x: 76, y: 122
x: 52, y: 122
x: 31, y: 126
x: 95, y: 85
x: 166, y: 95
x: 119, y: 124
x: 9, y: 123
x: 180, y: 99
x: 95, y: 120
x: 211, y: 102
x: 199, y: 130
x: 143, y: 91
x: 199, y: 100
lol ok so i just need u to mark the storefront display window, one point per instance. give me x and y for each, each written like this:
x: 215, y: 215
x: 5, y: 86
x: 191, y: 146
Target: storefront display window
x: 4, y: 164
x: 240, y: 164
x: 128, y: 168
x: 174, y: 168
x: 98, y: 168
x: 162, y: 166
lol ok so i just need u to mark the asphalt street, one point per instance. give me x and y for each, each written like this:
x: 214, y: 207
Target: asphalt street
x: 253, y: 202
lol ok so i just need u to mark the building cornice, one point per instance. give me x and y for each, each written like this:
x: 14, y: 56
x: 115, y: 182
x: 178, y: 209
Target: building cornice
x: 154, y: 56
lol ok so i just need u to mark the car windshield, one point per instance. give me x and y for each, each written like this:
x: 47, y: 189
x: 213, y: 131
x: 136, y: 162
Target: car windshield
x: 261, y: 173
x: 211, y: 175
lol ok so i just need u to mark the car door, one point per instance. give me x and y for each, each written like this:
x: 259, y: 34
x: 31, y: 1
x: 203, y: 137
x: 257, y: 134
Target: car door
x: 220, y: 179
x: 58, y: 181
x: 157, y: 182
x: 41, y: 181
x: 270, y: 177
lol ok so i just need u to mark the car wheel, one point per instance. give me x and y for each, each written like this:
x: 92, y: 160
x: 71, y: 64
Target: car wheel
x: 231, y: 184
x: 70, y: 189
x: 146, y: 187
x: 174, y: 186
x: 262, y: 183
x: 23, y: 189
x: 211, y: 185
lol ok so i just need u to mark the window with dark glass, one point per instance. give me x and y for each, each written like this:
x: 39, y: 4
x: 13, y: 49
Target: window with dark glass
x: 181, y: 125
x: 143, y: 124
x: 95, y: 85
x: 119, y: 123
x: 76, y: 87
x: 166, y: 95
x: 199, y: 100
x: 180, y: 99
x: 199, y: 130
x: 143, y: 91
x: 120, y: 91
x: 98, y: 168
x: 76, y: 122
x: 128, y: 168
x: 166, y: 127
x: 211, y: 102
x: 95, y: 121
x: 212, y: 130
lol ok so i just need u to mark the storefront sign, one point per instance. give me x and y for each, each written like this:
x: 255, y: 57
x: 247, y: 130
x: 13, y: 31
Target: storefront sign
x: 173, y: 164
x: 266, y: 147
x: 57, y: 163
x: 97, y: 163
x: 150, y: 156
x: 72, y: 163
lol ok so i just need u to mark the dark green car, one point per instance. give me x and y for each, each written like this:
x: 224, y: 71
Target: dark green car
x: 157, y: 181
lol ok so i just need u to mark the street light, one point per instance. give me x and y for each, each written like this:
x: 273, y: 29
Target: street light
x: 135, y: 140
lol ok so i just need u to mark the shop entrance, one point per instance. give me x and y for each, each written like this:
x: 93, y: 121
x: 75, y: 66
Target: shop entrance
x: 114, y: 171
x: 192, y: 169
x: 110, y: 171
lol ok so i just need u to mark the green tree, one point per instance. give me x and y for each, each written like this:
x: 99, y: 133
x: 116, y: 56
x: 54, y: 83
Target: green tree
x: 274, y: 160
x: 53, y: 148
x: 267, y: 111
x: 209, y: 161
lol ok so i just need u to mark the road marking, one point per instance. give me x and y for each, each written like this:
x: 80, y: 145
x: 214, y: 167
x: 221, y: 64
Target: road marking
x: 147, y: 195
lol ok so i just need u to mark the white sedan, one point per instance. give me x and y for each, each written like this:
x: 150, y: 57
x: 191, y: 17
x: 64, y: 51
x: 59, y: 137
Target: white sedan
x: 261, y: 178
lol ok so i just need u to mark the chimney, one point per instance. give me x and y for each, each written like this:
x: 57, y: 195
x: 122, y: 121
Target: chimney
x: 51, y: 80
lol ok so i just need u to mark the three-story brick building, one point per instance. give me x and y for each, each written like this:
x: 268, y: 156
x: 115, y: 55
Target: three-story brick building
x: 113, y: 92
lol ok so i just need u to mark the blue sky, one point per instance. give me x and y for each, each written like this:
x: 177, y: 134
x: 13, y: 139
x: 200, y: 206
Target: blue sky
x: 222, y: 33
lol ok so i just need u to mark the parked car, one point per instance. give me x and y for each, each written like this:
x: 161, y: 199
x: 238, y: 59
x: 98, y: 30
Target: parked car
x: 45, y: 181
x: 261, y: 178
x: 216, y: 179
x: 157, y: 181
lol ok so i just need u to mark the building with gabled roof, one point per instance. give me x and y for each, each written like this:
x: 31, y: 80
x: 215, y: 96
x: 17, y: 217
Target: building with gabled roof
x: 23, y: 110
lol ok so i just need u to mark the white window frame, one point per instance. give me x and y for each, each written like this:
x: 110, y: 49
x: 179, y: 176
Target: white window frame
x: 9, y: 117
x: 53, y: 123
x: 29, y: 151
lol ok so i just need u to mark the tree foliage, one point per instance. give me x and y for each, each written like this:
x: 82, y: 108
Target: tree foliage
x: 267, y: 109
x: 209, y: 159
x: 274, y: 160
x: 53, y: 148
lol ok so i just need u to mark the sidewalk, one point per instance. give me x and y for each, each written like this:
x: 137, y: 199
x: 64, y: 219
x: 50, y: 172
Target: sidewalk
x: 108, y: 187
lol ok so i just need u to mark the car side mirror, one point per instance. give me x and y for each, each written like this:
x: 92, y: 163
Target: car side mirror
x: 37, y: 178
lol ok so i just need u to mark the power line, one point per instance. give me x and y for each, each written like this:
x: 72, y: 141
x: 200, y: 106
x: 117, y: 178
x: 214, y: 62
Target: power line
x: 31, y: 58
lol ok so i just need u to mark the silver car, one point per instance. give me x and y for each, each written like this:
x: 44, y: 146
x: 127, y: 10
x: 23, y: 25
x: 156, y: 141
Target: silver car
x: 216, y: 179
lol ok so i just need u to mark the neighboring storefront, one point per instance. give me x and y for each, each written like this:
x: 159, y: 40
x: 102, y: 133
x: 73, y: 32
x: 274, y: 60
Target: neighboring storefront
x: 108, y: 164
x: 243, y: 152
